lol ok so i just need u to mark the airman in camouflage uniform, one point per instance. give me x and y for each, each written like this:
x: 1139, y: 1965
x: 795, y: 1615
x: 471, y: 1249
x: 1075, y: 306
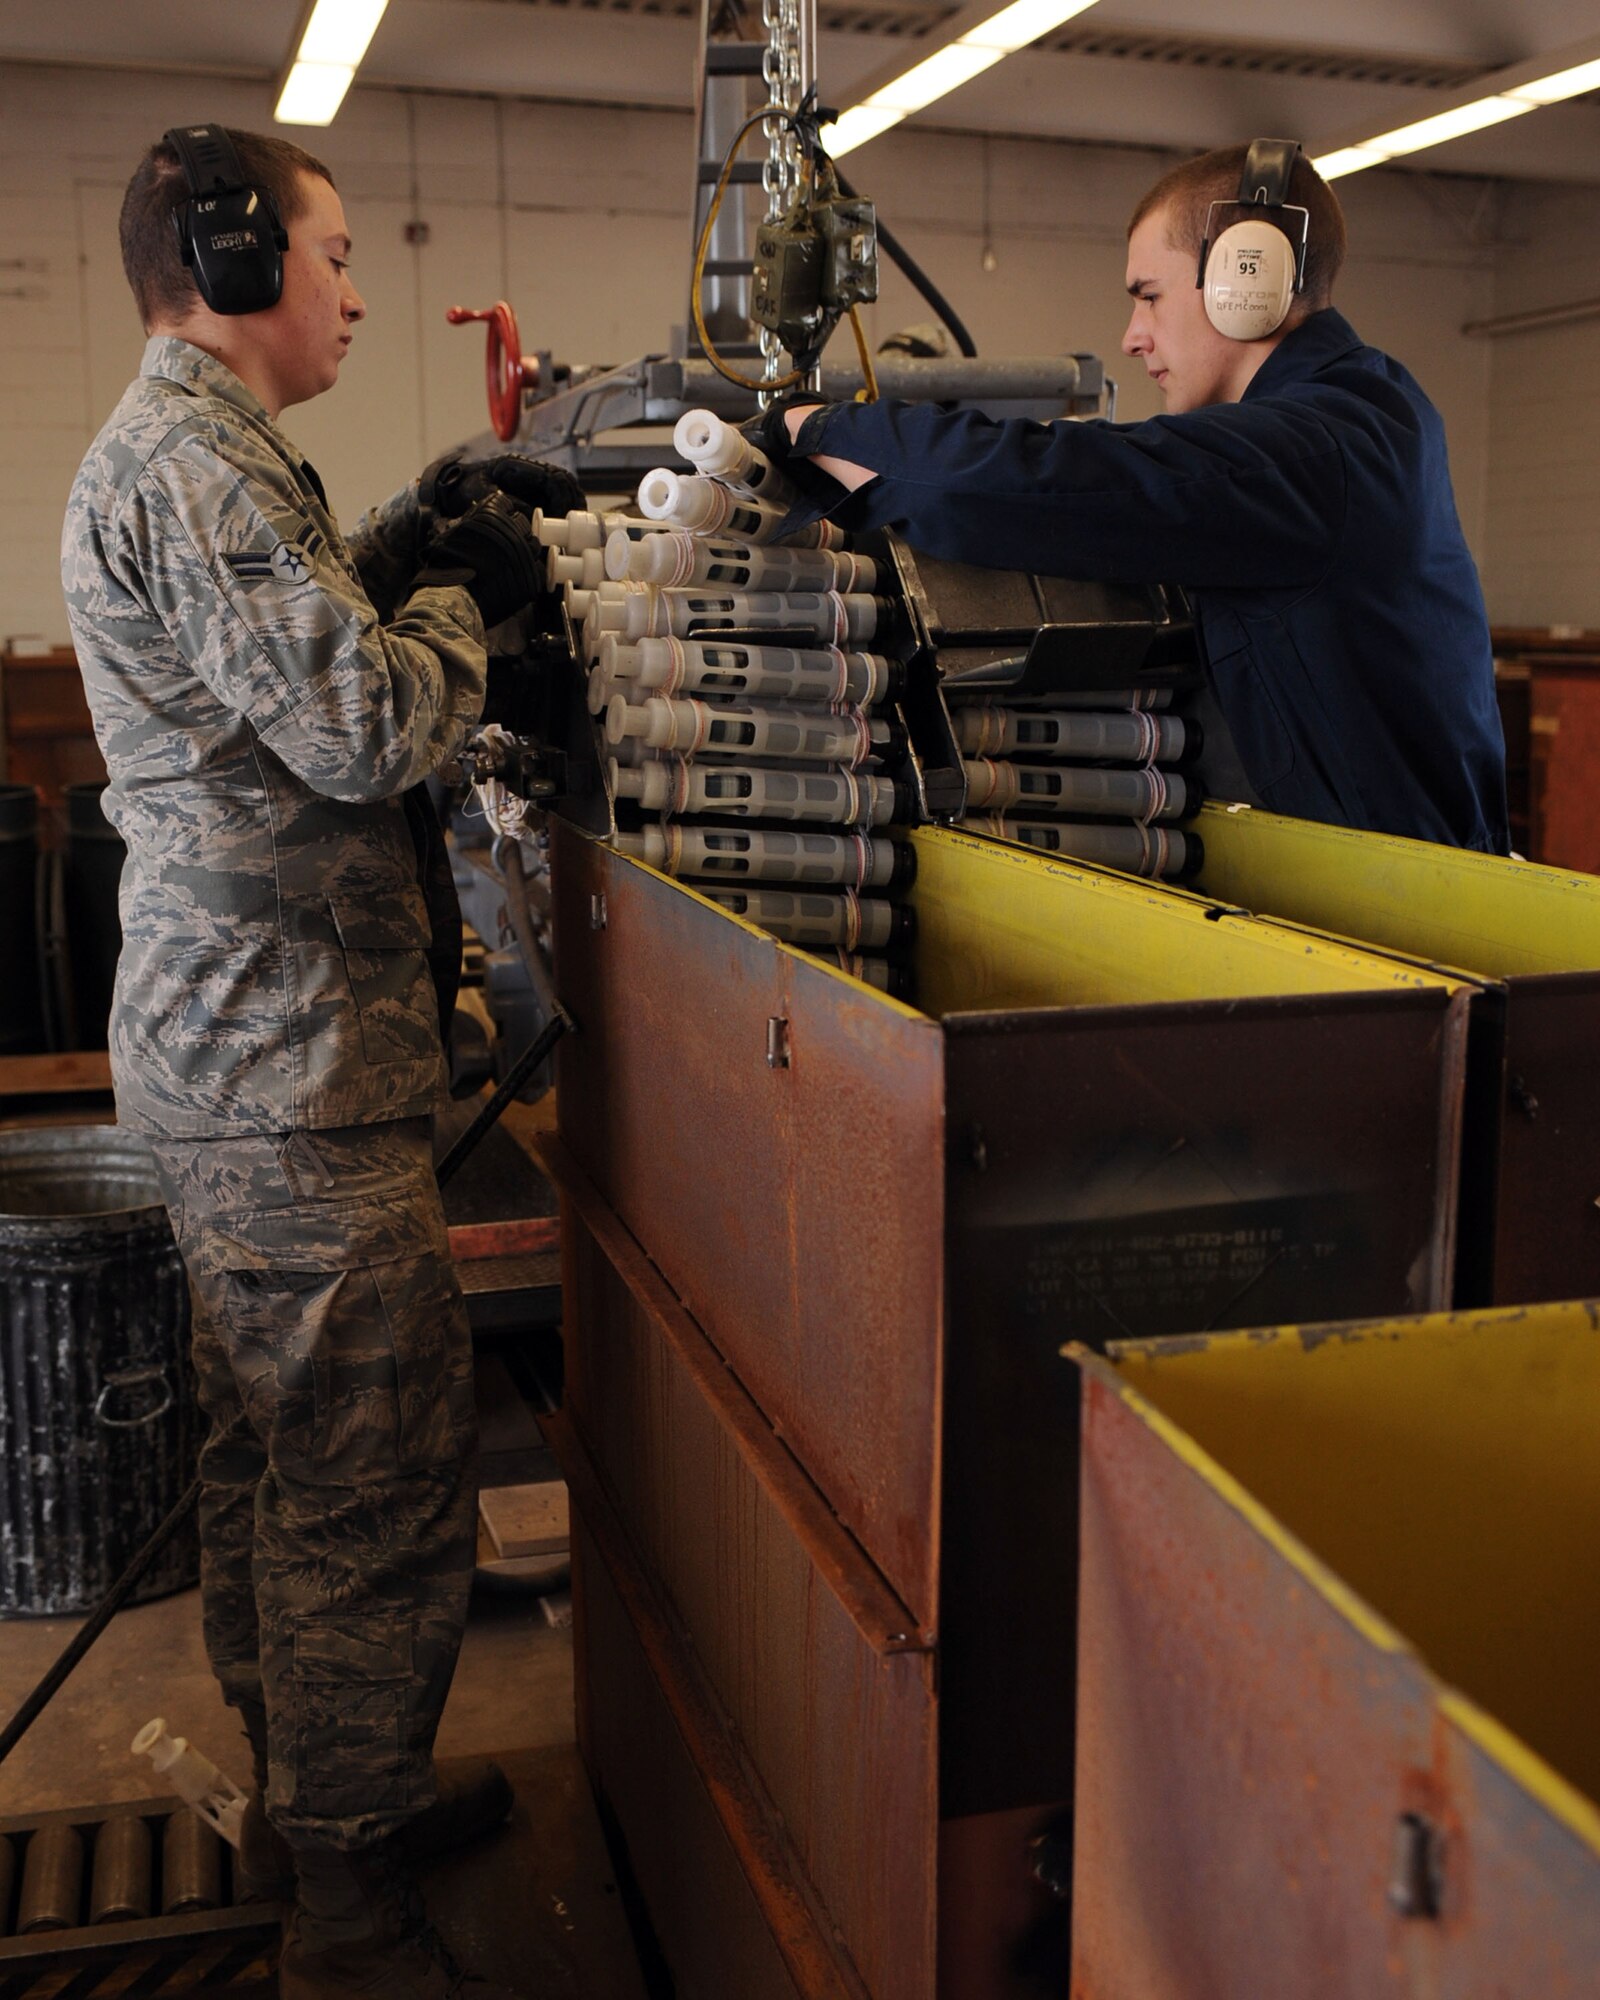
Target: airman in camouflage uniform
x: 275, y: 1030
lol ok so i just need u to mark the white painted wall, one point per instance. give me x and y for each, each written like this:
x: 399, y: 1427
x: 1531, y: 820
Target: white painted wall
x: 1543, y: 527
x: 579, y: 215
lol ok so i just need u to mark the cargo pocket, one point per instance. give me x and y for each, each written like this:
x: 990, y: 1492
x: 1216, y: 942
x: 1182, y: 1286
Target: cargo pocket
x: 385, y: 961
x: 352, y: 1680
x: 342, y: 1335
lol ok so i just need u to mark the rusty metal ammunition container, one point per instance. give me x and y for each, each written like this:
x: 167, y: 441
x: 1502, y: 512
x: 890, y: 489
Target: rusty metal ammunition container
x: 1336, y: 1662
x: 823, y: 1250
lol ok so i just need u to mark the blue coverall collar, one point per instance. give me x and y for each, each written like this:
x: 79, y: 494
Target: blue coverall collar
x: 1312, y: 345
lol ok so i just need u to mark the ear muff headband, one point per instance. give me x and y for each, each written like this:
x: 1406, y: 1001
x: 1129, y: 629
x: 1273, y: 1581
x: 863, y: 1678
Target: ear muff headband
x: 1251, y: 270
x: 230, y: 234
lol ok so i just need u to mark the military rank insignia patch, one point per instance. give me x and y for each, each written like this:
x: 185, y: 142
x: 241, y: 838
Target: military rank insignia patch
x: 288, y: 562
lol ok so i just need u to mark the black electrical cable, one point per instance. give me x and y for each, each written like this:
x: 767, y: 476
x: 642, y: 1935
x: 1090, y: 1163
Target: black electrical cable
x: 119, y: 1593
x: 516, y: 1077
x: 919, y: 278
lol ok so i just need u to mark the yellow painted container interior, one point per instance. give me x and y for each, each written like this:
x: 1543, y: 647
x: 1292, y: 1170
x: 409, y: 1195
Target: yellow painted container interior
x: 1000, y: 927
x: 1447, y: 1470
x: 1480, y: 913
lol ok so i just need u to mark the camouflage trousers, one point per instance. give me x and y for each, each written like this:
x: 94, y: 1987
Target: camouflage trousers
x: 339, y: 1477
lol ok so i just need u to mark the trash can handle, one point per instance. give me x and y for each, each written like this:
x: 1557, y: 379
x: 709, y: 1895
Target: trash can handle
x: 128, y: 1378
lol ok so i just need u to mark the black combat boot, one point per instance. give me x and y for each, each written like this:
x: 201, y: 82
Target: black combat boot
x: 358, y: 1931
x: 473, y: 1799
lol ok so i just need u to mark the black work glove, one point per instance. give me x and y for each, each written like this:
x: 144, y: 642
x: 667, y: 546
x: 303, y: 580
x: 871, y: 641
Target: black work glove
x: 490, y: 554
x: 770, y: 429
x: 819, y: 493
x: 450, y: 485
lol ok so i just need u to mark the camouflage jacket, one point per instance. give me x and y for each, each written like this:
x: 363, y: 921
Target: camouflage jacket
x: 260, y: 726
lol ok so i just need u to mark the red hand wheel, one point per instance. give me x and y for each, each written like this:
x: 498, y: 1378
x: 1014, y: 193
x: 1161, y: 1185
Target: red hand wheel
x: 507, y: 369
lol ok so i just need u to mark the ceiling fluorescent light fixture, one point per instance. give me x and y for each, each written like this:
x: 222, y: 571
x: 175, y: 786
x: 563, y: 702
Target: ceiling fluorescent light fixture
x: 961, y: 59
x: 1446, y: 125
x: 334, y: 40
x: 1519, y: 92
x: 1564, y: 83
x: 312, y: 93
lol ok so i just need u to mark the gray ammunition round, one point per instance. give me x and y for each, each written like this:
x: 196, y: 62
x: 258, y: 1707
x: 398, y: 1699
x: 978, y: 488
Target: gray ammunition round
x: 675, y: 559
x: 120, y: 1886
x: 52, y: 1880
x: 878, y: 972
x: 1169, y: 852
x: 814, y: 676
x: 810, y: 917
x: 714, y: 447
x: 833, y: 796
x: 770, y: 854
x: 1136, y: 738
x: 191, y: 1865
x: 648, y: 612
x: 1140, y: 794
x: 700, y: 505
x: 793, y: 734
x: 1099, y: 699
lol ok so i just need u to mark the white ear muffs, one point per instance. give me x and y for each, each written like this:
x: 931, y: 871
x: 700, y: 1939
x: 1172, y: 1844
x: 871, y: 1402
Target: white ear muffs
x: 1249, y: 282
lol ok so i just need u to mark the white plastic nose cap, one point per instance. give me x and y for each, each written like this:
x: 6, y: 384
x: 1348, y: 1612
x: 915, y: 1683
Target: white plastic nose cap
x: 658, y: 494
x: 695, y: 434
x: 152, y: 1740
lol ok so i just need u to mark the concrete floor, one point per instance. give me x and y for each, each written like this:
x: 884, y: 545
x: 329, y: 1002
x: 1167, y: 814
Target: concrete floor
x: 536, y: 1907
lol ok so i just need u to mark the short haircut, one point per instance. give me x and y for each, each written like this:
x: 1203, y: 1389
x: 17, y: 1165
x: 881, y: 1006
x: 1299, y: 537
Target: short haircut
x: 163, y: 288
x: 1187, y: 192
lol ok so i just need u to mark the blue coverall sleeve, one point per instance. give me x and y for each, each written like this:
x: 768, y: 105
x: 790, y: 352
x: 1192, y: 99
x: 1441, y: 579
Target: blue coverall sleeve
x: 1235, y: 497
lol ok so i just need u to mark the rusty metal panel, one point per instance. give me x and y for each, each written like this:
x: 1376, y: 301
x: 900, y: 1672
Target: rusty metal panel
x: 1547, y: 1233
x: 795, y: 1208
x: 645, y: 1775
x: 835, y: 1717
x: 1533, y: 1887
x: 1118, y: 1171
x: 1335, y: 1671
x: 1245, y: 1752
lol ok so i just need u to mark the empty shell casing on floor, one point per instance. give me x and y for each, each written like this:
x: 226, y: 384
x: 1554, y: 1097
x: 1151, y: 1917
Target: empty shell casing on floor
x: 810, y: 917
x: 649, y: 612
x: 1130, y: 738
x: 834, y: 797
x: 1142, y: 794
x: 688, y: 727
x: 815, y: 676
x: 120, y: 1886
x: 191, y: 1865
x: 52, y: 1881
x: 771, y: 854
x: 1169, y: 852
x: 675, y: 559
x: 713, y: 446
x: 702, y: 506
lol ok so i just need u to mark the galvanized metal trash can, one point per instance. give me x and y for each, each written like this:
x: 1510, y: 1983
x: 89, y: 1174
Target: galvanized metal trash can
x: 1339, y: 1636
x: 99, y: 1420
